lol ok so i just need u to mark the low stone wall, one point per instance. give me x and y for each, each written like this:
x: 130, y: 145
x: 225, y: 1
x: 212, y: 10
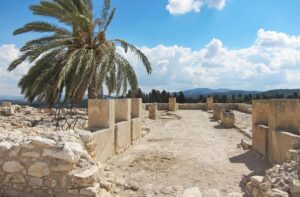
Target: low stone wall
x: 122, y: 136
x: 45, y: 164
x: 160, y: 106
x: 192, y: 106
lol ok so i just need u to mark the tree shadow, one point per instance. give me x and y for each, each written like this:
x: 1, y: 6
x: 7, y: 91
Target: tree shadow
x: 254, y: 163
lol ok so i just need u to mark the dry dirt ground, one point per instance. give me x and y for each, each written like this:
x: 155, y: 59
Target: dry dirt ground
x: 183, y: 151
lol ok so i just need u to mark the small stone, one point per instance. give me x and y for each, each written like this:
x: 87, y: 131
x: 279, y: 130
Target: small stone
x: 12, y: 166
x: 31, y: 154
x: 256, y: 179
x: 39, y: 169
x: 11, y: 178
x: 36, y: 182
x: 106, y: 185
x: 85, y: 177
x: 14, y: 152
x: 246, y: 144
x: 73, y: 191
x: 50, y: 182
x: 192, y: 192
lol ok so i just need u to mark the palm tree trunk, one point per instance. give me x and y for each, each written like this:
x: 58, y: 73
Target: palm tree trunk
x: 92, y: 91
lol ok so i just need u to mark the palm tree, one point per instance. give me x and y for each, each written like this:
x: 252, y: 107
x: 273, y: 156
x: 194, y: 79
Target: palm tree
x: 76, y: 57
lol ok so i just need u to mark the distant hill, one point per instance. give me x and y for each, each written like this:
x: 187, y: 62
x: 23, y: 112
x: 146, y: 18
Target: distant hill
x: 210, y: 92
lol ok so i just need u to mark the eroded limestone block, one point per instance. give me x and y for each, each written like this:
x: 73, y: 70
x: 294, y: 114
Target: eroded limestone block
x: 122, y: 136
x: 136, y: 128
x: 123, y: 110
x: 227, y: 119
x: 105, y: 144
x: 136, y: 107
x: 101, y: 114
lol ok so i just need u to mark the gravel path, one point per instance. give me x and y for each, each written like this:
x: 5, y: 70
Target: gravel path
x: 179, y: 153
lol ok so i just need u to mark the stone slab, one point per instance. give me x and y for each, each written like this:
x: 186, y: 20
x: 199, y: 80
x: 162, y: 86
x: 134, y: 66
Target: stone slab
x: 105, y: 144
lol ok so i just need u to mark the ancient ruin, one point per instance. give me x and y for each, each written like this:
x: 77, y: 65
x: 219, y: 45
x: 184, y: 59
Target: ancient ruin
x: 92, y: 158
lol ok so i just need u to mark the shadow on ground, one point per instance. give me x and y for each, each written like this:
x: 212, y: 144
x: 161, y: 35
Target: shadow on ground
x: 254, y: 163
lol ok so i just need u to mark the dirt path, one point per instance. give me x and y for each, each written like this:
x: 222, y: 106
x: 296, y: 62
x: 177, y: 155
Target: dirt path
x: 181, y: 153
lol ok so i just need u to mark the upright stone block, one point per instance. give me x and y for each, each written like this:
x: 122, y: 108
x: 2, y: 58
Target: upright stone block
x: 101, y: 114
x: 136, y: 107
x: 172, y: 104
x: 123, y: 125
x: 136, y: 123
x: 123, y: 110
x: 209, y: 103
x: 153, y: 111
x: 227, y: 119
x: 284, y: 124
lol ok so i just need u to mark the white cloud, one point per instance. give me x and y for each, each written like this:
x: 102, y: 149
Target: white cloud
x: 261, y: 66
x: 9, y: 80
x: 184, y: 6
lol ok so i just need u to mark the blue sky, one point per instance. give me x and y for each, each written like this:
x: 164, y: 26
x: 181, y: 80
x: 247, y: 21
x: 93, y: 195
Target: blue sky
x: 180, y: 34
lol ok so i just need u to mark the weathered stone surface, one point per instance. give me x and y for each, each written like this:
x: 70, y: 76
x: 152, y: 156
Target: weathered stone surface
x: 70, y: 152
x: 37, y: 140
x: 5, y: 146
x: 31, y: 154
x: 14, y: 178
x: 211, y: 193
x: 12, y: 166
x: 85, y: 177
x: 257, y: 179
x: 62, y: 167
x: 36, y: 182
x: 227, y: 119
x: 39, y: 169
x: 295, y: 188
x: 49, y: 182
x: 192, y: 192
x: 234, y: 194
x: 90, y: 191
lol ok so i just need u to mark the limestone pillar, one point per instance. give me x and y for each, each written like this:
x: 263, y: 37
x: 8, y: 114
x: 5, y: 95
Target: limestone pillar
x: 101, y: 114
x: 123, y: 125
x: 209, y: 103
x: 136, y: 123
x: 101, y: 121
x: 172, y: 104
x: 153, y: 111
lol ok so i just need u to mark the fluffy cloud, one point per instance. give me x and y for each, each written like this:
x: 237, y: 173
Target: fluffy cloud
x: 272, y: 61
x: 9, y: 80
x: 184, y: 6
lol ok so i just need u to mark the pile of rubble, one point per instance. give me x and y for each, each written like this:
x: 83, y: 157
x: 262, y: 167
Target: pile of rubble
x: 279, y: 181
x: 15, y: 117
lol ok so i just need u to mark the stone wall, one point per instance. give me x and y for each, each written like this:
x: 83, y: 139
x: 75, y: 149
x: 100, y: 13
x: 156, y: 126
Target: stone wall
x: 275, y: 128
x: 192, y: 106
x: 37, y: 163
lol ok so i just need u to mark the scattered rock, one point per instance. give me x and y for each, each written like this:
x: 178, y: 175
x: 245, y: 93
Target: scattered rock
x: 192, y: 192
x: 39, y: 169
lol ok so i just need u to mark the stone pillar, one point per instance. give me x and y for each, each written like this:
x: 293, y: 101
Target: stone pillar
x: 172, y: 104
x: 101, y: 114
x: 123, y: 125
x: 209, y: 103
x: 284, y: 122
x: 123, y: 110
x: 153, y: 111
x: 227, y: 119
x: 136, y: 123
x: 260, y: 128
x: 136, y: 107
x: 102, y: 122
